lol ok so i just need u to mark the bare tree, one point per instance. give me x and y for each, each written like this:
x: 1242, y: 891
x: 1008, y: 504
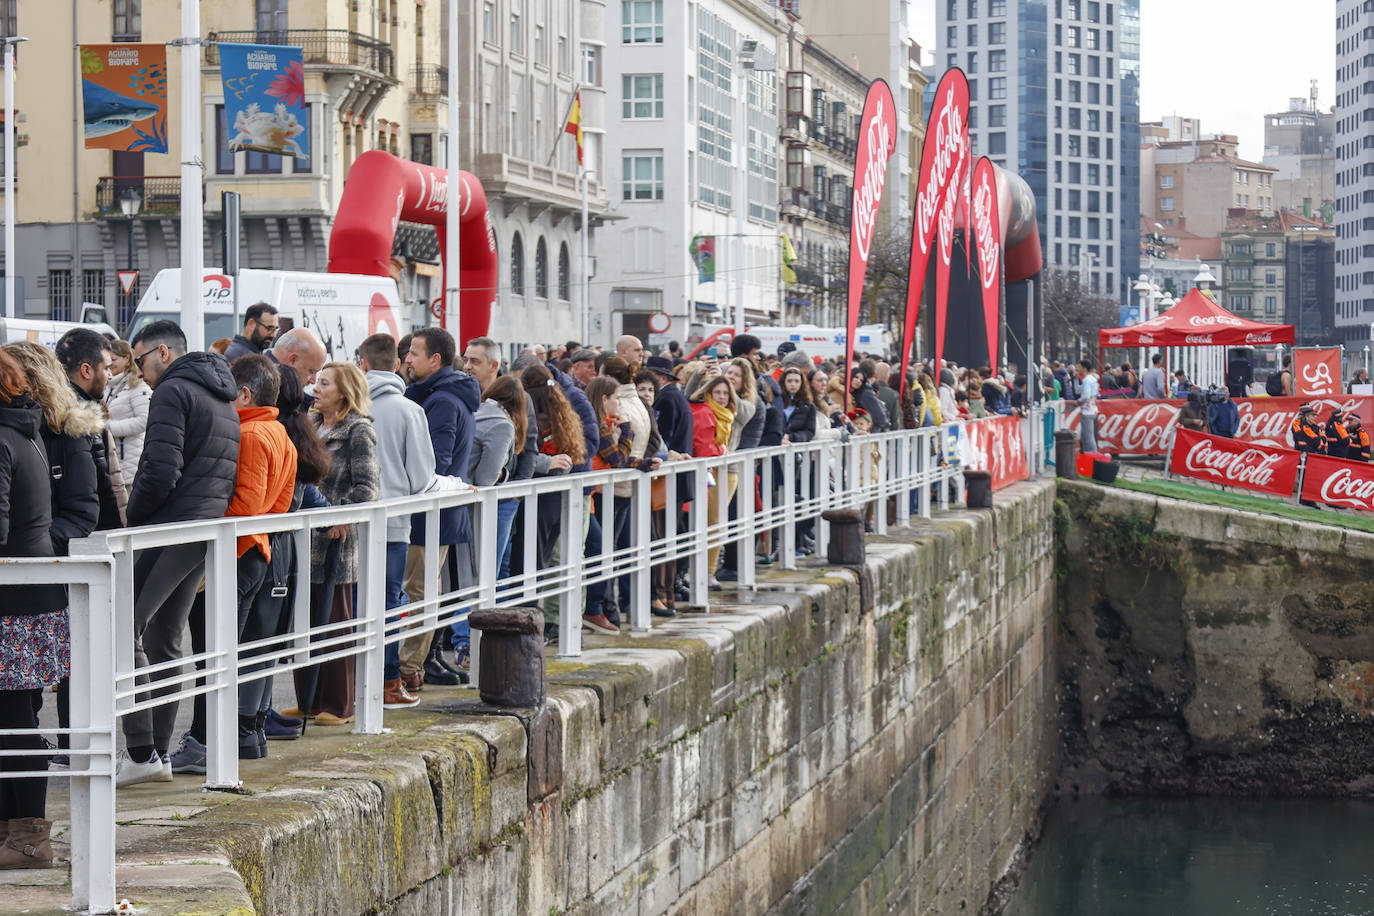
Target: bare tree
x: 1073, y: 314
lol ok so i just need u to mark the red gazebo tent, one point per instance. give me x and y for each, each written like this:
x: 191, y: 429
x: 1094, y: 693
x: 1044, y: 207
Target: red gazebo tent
x: 1196, y: 321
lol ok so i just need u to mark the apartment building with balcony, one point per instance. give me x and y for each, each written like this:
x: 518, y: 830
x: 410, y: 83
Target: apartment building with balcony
x: 685, y: 98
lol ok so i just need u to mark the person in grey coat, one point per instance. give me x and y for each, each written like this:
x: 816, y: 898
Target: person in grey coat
x: 406, y: 456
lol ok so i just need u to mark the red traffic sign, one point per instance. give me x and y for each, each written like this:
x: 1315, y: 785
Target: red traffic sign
x: 127, y: 280
x: 660, y: 322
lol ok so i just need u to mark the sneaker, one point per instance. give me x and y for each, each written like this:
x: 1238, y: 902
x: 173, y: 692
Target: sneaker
x: 128, y: 772
x: 165, y: 774
x: 395, y: 696
x: 462, y: 659
x: 60, y: 762
x: 714, y: 583
x: 189, y: 757
x: 597, y: 623
x: 727, y: 574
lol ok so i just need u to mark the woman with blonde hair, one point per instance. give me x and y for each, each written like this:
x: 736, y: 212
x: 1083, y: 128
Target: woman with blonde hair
x: 714, y: 405
x: 126, y: 403
x: 342, y: 413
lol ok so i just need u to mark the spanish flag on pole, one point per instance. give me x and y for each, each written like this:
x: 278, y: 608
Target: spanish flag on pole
x: 574, y: 125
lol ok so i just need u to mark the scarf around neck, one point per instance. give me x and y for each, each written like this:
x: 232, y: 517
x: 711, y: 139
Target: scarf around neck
x: 725, y: 419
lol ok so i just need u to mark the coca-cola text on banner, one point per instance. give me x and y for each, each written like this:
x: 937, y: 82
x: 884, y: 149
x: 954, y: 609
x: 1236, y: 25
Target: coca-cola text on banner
x: 1338, y: 482
x: 1130, y: 426
x: 987, y: 237
x: 877, y: 141
x: 1219, y: 460
x: 998, y: 448
x: 1317, y: 373
x: 946, y: 147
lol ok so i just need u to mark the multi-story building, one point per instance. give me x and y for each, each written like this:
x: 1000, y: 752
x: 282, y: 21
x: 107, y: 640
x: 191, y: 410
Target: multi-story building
x: 1195, y: 184
x: 1301, y: 144
x: 687, y: 96
x: 1310, y: 287
x: 880, y: 48
x: 1354, y: 173
x: 1277, y: 269
x: 376, y: 78
x: 1056, y: 99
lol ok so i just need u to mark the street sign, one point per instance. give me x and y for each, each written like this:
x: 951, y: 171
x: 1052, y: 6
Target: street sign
x: 660, y: 322
x: 127, y: 280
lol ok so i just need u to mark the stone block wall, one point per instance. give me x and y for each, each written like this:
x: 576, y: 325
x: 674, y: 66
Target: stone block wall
x: 791, y: 752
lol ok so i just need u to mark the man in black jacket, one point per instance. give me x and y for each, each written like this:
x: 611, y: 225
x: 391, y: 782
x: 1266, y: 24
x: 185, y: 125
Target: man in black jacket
x: 86, y: 356
x: 187, y: 472
x: 259, y: 328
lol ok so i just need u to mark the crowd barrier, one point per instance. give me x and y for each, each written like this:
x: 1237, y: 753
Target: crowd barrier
x: 795, y: 484
x: 1273, y: 470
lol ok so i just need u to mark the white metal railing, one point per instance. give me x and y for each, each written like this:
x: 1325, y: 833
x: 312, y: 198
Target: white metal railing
x: 795, y: 484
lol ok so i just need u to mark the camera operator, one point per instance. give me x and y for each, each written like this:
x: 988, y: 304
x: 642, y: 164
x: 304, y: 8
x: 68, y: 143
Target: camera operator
x: 1193, y: 414
x: 1222, y: 414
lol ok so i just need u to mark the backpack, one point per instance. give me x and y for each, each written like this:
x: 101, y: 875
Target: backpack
x: 1273, y: 386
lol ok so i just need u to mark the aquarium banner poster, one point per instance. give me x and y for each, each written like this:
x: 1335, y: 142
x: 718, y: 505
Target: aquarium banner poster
x: 124, y: 97
x: 264, y: 99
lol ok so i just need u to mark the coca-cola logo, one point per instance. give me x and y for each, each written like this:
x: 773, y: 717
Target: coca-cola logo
x: 868, y: 194
x: 988, y: 248
x: 1259, y: 338
x: 1253, y: 466
x: 1203, y: 321
x: 1146, y: 339
x: 1198, y: 339
x: 947, y: 141
x: 1115, y: 339
x: 1346, y: 489
x: 1317, y: 379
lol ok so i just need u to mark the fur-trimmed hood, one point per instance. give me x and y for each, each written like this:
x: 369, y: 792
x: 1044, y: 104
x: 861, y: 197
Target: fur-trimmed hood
x: 87, y: 418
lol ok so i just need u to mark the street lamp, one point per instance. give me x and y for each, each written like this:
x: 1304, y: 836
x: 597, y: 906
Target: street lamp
x: 1204, y: 278
x: 130, y: 201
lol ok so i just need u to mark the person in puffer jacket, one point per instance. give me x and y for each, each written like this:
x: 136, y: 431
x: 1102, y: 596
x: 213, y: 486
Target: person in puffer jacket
x: 187, y: 472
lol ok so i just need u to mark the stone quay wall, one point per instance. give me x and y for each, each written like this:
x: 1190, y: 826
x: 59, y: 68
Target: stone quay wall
x: 793, y: 751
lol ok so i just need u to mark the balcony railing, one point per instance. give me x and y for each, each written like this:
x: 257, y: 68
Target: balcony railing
x: 798, y: 199
x: 337, y: 47
x: 429, y: 80
x: 161, y: 195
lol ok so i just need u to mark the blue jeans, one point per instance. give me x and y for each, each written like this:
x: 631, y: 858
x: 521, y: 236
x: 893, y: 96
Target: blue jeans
x: 395, y: 597
x: 505, y: 517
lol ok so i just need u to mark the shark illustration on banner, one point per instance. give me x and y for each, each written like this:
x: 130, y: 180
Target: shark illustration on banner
x: 124, y: 97
x: 877, y: 141
x: 987, y: 239
x: 264, y: 99
x: 944, y: 165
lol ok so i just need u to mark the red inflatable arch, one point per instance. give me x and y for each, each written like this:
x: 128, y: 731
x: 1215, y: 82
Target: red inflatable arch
x: 381, y: 191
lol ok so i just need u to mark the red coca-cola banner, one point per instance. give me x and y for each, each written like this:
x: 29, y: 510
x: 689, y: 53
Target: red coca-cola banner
x: 1338, y: 482
x: 995, y: 445
x: 877, y: 141
x: 1131, y: 426
x: 944, y: 163
x: 1317, y: 373
x: 1231, y: 463
x: 987, y: 236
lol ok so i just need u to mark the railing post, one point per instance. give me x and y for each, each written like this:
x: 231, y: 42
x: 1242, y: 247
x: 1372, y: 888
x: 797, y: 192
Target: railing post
x: 488, y: 570
x: 787, y: 551
x: 824, y: 462
x: 571, y: 555
x: 372, y: 617
x: 697, y: 584
x: 905, y: 473
x: 745, y: 555
x: 93, y: 610
x: 222, y: 658
x: 942, y: 476
x: 641, y: 536
x: 880, y: 475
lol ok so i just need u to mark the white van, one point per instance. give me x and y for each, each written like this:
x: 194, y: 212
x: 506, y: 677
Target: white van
x: 823, y: 343
x: 48, y: 333
x: 342, y: 308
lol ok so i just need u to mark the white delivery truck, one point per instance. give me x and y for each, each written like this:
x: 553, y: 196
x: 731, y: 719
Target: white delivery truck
x: 823, y: 343
x: 342, y: 308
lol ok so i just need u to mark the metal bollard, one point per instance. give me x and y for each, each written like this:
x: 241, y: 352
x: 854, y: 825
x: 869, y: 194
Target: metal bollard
x: 978, y: 487
x: 511, y: 671
x: 846, y: 547
x: 1065, y: 453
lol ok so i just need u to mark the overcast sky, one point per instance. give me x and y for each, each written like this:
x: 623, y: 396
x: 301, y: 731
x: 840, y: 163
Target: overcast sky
x: 1229, y: 64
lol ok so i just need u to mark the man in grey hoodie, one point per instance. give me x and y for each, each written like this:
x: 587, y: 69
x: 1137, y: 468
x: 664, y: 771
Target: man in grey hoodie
x: 406, y: 457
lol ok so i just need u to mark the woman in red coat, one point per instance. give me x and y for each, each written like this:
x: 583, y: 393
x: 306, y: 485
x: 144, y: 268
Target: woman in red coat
x: 713, y: 416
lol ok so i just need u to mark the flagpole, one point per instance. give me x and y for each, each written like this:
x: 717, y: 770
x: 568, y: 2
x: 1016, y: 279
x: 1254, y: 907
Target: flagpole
x: 454, y: 207
x: 586, y: 317
x: 192, y: 179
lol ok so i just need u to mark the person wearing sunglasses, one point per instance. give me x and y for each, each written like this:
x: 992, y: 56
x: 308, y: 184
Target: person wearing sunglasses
x: 259, y: 330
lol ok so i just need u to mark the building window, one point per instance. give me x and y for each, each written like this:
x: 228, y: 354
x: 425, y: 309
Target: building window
x: 489, y: 22
x: 951, y: 36
x: 271, y: 20
x: 642, y: 96
x: 951, y: 9
x: 541, y: 269
x: 93, y: 286
x: 128, y: 20
x: 997, y: 87
x: 541, y: 51
x: 224, y: 157
x: 591, y: 65
x: 422, y: 148
x: 1166, y: 181
x: 973, y: 9
x: 564, y: 55
x: 642, y: 175
x: 997, y: 7
x: 60, y: 295
x: 997, y: 116
x: 1271, y: 305
x: 1271, y: 278
x: 997, y: 61
x: 9, y: 26
x: 641, y: 22
x: 972, y: 62
x: 997, y: 144
x: 997, y: 33
x: 1270, y: 249
x: 517, y: 27
x: 564, y: 274
x: 796, y: 167
x: 517, y: 266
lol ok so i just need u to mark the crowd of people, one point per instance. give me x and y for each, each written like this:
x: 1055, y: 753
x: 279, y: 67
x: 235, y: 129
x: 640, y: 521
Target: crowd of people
x: 99, y: 434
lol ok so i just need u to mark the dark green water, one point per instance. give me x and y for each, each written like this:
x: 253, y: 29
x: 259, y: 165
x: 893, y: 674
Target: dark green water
x: 1209, y: 857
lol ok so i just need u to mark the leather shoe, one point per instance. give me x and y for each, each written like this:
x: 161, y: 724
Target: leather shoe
x: 413, y: 682
x: 440, y: 676
x: 395, y: 696
x: 597, y: 623
x: 659, y: 609
x: 328, y: 718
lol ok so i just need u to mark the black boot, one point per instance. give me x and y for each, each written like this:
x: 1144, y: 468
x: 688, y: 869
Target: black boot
x: 435, y: 671
x: 248, y: 739
x: 260, y: 731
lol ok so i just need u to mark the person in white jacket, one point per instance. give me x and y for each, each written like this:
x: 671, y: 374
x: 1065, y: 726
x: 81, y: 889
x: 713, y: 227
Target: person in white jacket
x: 126, y: 402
